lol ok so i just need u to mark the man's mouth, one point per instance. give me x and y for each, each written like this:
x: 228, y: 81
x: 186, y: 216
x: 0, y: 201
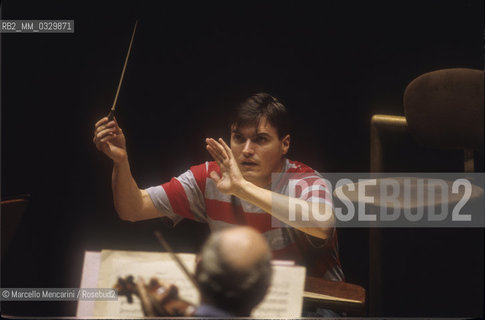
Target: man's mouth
x: 248, y: 164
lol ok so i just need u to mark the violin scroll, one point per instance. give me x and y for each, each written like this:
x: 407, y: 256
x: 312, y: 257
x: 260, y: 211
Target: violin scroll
x: 157, y: 298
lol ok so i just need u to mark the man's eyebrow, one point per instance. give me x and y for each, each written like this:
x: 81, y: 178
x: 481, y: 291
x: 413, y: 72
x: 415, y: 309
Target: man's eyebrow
x: 257, y: 134
x: 263, y: 134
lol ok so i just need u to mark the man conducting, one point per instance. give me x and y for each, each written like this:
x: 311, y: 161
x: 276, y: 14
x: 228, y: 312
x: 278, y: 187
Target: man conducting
x: 249, y: 183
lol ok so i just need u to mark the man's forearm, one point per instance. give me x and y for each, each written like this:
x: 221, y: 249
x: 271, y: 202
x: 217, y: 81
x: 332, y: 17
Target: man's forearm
x: 127, y: 196
x: 278, y: 206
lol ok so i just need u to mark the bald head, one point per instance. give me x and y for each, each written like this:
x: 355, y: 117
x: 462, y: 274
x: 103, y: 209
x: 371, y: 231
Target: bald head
x: 234, y: 271
x: 243, y: 247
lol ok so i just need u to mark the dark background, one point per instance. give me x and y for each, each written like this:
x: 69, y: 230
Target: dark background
x: 334, y: 64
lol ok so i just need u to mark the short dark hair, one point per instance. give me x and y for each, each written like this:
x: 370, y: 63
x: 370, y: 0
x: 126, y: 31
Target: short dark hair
x: 258, y: 106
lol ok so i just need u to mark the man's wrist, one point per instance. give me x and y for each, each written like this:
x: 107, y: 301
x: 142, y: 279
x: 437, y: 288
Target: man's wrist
x: 243, y: 189
x: 121, y: 162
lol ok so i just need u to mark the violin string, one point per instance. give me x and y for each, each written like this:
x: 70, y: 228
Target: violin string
x: 176, y: 258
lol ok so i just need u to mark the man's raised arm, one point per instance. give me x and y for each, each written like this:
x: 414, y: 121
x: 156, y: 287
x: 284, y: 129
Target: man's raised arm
x: 131, y: 203
x: 232, y: 182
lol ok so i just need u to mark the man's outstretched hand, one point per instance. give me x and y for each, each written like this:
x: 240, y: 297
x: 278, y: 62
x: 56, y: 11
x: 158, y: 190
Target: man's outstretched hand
x: 232, y: 179
x: 109, y: 138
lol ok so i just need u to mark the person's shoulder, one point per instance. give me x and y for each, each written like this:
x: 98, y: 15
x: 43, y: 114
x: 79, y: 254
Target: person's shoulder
x: 298, y: 167
x: 205, y: 168
x: 299, y: 170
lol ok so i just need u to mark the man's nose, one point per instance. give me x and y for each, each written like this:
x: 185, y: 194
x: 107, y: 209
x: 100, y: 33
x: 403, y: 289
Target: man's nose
x: 248, y: 148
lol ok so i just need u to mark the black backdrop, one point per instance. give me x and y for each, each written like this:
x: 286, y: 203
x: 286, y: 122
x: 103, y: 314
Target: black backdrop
x: 333, y: 63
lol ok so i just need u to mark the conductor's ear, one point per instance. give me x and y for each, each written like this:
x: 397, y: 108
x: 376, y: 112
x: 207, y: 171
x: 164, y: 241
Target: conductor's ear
x: 285, y: 144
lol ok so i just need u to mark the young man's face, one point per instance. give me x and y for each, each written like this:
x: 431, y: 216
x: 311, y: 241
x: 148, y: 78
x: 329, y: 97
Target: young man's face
x: 258, y: 151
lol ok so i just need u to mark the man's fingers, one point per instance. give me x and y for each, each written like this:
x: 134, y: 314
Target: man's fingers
x: 101, y: 146
x: 216, y: 156
x: 217, y: 147
x: 221, y: 148
x: 108, y: 138
x: 226, y: 147
x: 106, y: 125
x: 109, y: 131
x: 211, y: 142
x: 101, y: 121
x: 103, y: 137
x: 214, y: 176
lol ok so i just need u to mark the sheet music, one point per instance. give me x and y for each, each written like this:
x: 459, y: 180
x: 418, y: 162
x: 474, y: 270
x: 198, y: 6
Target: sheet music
x: 116, y: 264
x: 89, y: 279
x: 284, y: 298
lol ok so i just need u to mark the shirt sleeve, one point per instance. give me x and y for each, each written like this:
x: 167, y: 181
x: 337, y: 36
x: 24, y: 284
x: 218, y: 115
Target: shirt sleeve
x: 313, y: 188
x: 183, y: 196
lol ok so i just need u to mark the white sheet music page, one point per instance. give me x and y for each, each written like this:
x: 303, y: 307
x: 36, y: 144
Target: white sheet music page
x: 116, y: 264
x: 284, y: 298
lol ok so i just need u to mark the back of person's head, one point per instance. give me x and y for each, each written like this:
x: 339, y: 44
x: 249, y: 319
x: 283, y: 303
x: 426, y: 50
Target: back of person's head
x: 234, y: 270
x: 258, y: 106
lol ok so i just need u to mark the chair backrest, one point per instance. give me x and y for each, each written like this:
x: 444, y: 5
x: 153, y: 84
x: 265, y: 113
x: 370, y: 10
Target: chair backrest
x: 444, y: 108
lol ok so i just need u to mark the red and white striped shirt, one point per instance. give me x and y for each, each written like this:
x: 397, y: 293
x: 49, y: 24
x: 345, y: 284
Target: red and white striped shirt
x: 194, y: 195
